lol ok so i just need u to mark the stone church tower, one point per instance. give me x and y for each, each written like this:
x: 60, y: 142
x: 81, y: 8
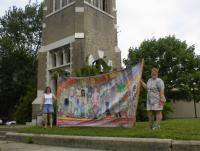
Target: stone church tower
x: 75, y: 33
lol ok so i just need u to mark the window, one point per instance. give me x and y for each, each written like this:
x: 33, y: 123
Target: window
x: 92, y: 2
x: 89, y: 1
x: 51, y: 6
x: 53, y: 60
x: 60, y: 58
x: 66, y: 2
x: 67, y: 54
x: 96, y: 3
x: 69, y: 57
x: 57, y: 4
x: 101, y: 4
x: 104, y: 5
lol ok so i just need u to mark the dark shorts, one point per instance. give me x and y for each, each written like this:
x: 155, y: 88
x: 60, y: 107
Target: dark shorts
x: 48, y: 108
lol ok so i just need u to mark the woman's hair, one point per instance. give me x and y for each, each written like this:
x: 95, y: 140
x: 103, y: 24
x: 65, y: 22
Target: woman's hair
x: 155, y: 69
x: 82, y: 92
x: 45, y: 90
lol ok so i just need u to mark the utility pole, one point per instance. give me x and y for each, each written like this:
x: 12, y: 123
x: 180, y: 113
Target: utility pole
x: 193, y: 91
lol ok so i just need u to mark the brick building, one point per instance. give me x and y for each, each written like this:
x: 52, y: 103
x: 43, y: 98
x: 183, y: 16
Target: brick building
x: 75, y: 33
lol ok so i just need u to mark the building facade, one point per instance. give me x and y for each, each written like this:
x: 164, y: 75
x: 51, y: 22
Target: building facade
x: 75, y: 34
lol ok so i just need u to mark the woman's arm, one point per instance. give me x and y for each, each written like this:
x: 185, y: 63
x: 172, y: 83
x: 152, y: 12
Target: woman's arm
x: 143, y: 84
x: 54, y: 98
x: 162, y: 96
x: 162, y: 93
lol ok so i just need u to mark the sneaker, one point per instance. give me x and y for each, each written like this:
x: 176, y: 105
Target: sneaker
x: 156, y: 127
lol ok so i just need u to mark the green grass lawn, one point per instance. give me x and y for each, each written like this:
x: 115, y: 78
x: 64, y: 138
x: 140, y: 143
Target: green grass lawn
x: 177, y: 129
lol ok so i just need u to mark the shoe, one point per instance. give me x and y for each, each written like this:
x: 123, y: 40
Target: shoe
x: 156, y: 127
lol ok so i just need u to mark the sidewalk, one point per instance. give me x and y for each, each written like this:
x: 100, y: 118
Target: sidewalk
x: 14, y: 146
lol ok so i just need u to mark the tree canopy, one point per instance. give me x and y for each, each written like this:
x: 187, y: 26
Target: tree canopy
x: 178, y: 65
x: 20, y: 38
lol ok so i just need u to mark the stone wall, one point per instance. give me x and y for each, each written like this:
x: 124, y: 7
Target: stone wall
x: 59, y: 25
x: 100, y: 34
x: 42, y: 66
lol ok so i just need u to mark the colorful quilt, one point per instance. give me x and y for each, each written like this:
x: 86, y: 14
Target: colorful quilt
x: 108, y: 100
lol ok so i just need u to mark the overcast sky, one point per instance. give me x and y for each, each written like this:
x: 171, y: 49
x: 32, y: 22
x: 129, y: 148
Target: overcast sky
x: 143, y: 19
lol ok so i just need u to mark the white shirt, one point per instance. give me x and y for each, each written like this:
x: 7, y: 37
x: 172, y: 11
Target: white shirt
x: 48, y: 98
x: 154, y: 86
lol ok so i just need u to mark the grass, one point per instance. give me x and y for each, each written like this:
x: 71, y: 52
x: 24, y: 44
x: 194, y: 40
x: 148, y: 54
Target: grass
x: 177, y: 129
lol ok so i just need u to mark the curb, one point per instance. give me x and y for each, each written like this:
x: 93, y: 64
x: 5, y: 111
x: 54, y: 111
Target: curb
x: 105, y: 143
x: 185, y: 145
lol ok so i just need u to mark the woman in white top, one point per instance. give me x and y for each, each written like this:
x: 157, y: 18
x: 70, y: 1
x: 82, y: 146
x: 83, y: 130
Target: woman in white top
x: 155, y: 98
x: 47, y: 106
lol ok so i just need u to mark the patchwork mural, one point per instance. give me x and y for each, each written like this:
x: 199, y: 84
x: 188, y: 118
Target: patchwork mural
x: 107, y: 100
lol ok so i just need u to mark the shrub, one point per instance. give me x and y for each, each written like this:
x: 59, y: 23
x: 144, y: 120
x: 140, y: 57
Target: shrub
x: 23, y: 111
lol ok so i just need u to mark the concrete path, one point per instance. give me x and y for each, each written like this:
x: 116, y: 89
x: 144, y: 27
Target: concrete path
x: 14, y: 146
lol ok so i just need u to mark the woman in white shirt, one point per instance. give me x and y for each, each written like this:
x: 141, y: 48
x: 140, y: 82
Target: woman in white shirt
x: 47, y: 106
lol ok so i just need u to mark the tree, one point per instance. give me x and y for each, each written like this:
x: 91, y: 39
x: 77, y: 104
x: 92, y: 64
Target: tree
x: 23, y: 111
x: 178, y: 65
x: 99, y: 66
x: 20, y: 38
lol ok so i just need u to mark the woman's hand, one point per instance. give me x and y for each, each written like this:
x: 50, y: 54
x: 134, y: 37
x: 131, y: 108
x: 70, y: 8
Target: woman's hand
x: 162, y: 103
x: 54, y: 98
x: 143, y: 84
x: 41, y: 107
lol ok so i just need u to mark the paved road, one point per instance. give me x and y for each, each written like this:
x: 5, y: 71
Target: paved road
x: 14, y: 146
